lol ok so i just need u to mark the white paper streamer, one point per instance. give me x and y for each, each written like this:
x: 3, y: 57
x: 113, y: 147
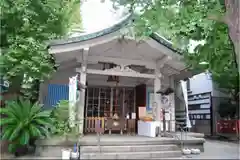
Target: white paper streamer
x: 72, y: 100
x: 185, y: 95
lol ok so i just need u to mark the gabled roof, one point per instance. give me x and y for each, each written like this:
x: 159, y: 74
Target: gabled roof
x: 123, y: 23
x: 93, y: 35
x: 112, y: 30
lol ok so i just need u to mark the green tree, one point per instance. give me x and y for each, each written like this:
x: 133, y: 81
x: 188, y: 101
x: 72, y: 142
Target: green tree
x: 219, y: 55
x: 26, y: 28
x: 188, y: 19
x: 215, y: 23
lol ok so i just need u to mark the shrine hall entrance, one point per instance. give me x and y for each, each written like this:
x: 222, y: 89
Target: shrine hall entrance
x: 103, y: 103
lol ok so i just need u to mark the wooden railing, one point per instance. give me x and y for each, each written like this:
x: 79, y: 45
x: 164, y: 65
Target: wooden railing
x: 91, y: 122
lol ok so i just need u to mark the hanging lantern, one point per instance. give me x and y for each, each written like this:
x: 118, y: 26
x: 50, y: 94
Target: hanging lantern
x: 113, y: 79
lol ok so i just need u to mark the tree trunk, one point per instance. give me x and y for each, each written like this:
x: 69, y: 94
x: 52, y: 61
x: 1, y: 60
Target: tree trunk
x: 35, y: 91
x: 15, y: 85
x: 232, y: 20
x: 237, y: 50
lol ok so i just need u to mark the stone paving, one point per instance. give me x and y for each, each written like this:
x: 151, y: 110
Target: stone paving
x: 213, y: 150
x: 219, y: 150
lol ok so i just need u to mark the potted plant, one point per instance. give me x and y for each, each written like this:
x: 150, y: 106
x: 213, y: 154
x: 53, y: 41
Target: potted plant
x: 24, y: 122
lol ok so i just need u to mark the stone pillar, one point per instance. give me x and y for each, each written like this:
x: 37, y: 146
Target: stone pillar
x: 157, y: 97
x: 83, y: 74
x: 172, y: 107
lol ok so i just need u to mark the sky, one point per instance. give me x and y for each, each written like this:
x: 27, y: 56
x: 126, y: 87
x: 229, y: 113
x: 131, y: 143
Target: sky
x: 97, y: 15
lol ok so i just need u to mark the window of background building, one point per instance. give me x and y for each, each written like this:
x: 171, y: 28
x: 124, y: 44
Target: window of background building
x: 188, y: 84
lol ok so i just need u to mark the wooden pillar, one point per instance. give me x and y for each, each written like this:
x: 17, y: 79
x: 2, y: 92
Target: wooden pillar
x: 157, y: 97
x: 83, y: 74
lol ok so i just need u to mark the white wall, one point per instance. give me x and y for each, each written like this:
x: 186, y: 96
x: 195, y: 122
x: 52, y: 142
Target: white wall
x: 201, y: 83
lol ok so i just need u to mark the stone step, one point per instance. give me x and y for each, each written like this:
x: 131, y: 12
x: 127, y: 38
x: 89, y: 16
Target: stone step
x: 128, y: 141
x: 132, y: 155
x: 180, y: 118
x: 35, y: 158
x: 180, y: 122
x: 180, y: 110
x: 132, y: 148
x: 171, y: 158
x: 47, y: 158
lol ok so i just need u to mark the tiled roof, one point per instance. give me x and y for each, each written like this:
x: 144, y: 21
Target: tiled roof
x: 109, y: 30
x: 90, y: 36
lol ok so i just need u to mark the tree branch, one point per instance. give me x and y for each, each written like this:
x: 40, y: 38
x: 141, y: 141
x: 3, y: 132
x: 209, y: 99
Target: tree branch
x: 222, y: 19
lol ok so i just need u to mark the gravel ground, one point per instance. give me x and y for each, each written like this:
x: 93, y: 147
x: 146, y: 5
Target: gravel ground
x: 219, y: 150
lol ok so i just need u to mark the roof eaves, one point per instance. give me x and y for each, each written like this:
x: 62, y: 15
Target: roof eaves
x: 112, y: 29
x: 90, y: 36
x: 164, y: 42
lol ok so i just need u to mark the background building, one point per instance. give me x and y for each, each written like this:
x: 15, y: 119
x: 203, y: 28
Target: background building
x: 204, y: 98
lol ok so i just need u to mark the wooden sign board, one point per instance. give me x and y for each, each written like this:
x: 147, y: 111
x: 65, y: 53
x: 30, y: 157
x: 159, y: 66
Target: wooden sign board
x: 141, y: 112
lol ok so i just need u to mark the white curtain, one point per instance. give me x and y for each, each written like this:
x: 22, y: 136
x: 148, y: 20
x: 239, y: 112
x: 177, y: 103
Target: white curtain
x: 185, y: 95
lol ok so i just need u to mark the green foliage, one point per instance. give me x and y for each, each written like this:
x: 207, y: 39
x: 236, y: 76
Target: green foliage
x: 228, y: 110
x: 176, y: 18
x: 26, y: 28
x: 220, y: 56
x: 23, y: 121
x: 60, y: 115
x: 191, y: 20
x: 61, y: 111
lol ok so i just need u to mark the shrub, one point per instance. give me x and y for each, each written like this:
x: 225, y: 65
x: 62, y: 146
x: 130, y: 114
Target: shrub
x: 24, y: 121
x: 60, y: 114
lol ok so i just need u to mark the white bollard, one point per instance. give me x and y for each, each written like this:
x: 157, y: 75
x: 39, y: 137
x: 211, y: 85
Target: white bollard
x: 66, y: 153
x: 195, y: 151
x: 186, y: 151
x: 74, y: 155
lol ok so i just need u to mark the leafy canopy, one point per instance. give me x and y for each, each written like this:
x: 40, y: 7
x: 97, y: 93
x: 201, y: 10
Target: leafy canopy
x: 188, y: 21
x: 26, y: 28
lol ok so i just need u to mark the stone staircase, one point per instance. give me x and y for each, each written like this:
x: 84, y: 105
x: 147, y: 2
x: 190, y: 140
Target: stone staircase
x: 131, y: 151
x: 117, y: 147
x: 180, y: 118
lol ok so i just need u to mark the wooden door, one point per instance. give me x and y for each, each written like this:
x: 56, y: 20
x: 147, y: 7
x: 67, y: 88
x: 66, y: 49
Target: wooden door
x: 140, y: 98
